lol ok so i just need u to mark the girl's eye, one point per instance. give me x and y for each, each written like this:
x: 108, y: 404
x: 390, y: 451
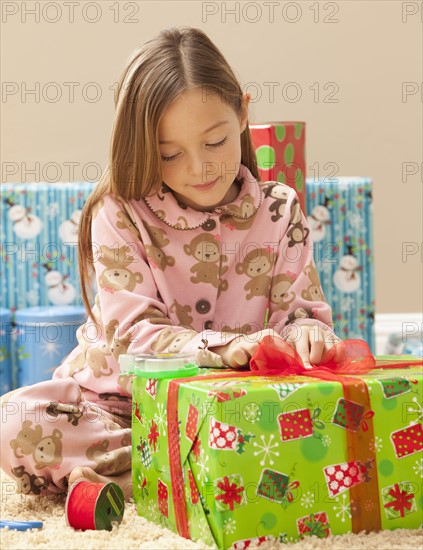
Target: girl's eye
x: 168, y: 158
x: 219, y: 144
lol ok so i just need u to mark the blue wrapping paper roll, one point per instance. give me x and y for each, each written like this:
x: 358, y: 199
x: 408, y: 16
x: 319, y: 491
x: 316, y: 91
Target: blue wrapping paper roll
x: 39, y: 238
x: 340, y: 215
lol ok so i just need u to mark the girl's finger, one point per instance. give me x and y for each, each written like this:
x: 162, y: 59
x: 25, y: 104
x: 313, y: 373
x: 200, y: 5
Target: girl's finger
x: 317, y: 348
x: 302, y: 345
x: 250, y: 348
x: 239, y: 358
x: 244, y: 354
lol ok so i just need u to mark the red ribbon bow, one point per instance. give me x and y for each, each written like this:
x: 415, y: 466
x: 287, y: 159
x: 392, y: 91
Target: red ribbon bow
x: 274, y: 356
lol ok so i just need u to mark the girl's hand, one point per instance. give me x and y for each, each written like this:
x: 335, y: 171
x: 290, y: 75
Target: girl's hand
x: 239, y: 351
x: 311, y: 341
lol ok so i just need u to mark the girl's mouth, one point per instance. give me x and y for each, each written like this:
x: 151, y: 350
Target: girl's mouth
x: 206, y: 186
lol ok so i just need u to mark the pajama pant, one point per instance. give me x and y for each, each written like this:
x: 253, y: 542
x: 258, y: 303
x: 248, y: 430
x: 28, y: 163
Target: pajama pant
x: 51, y: 427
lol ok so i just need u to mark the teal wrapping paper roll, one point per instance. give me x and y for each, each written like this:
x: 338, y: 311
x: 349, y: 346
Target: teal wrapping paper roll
x: 340, y: 215
x: 39, y: 243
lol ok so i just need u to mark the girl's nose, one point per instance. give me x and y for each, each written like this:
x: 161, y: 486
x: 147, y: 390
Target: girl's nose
x: 196, y: 166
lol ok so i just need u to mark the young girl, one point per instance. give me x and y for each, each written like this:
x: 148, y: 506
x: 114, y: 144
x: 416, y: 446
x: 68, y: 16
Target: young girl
x: 190, y: 253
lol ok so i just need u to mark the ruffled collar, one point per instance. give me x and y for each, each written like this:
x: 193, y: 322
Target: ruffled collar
x: 170, y: 211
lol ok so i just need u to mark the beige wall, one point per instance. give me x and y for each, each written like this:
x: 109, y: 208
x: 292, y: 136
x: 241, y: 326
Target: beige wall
x: 368, y: 49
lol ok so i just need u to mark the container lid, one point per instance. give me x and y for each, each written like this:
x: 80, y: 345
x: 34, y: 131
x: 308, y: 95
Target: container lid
x: 5, y: 315
x: 161, y: 365
x: 51, y: 314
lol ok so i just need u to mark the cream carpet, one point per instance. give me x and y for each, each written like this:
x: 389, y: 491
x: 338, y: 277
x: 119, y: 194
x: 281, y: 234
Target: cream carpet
x: 135, y: 532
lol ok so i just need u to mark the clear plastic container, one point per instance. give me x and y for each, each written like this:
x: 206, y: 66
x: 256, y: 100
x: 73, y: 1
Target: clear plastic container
x: 160, y: 365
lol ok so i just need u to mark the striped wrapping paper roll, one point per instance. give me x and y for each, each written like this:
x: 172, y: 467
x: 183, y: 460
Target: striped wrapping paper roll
x: 340, y: 215
x: 39, y: 243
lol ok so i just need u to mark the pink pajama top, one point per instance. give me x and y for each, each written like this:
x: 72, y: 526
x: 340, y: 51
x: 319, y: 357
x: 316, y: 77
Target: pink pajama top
x: 174, y: 279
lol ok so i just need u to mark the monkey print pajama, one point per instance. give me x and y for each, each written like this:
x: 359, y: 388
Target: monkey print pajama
x: 169, y: 279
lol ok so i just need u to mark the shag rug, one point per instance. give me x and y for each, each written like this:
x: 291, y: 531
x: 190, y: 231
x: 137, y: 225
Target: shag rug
x: 135, y: 532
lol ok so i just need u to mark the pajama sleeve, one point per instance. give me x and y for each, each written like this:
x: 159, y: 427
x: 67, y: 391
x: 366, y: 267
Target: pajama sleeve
x: 132, y: 312
x: 296, y: 278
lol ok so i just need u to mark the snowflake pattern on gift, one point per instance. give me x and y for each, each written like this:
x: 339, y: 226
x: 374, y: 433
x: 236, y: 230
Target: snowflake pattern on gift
x: 342, y: 508
x: 202, y: 465
x: 266, y: 449
x: 229, y: 526
x: 416, y: 409
x: 205, y: 534
x: 153, y: 511
x: 418, y: 468
x: 326, y: 441
x: 307, y: 500
x: 376, y: 444
x: 251, y: 412
x: 160, y: 418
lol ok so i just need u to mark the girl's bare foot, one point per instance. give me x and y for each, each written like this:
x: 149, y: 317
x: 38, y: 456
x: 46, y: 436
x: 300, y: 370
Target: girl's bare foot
x: 88, y: 474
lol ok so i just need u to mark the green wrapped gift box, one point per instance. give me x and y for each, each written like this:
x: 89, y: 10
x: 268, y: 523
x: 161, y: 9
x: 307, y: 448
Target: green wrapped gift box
x: 233, y: 458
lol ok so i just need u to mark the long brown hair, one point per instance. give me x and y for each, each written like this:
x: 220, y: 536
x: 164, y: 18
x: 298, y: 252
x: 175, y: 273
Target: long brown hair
x: 155, y: 74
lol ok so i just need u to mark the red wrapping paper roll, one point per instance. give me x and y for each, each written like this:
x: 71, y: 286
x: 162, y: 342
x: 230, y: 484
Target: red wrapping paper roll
x: 94, y: 506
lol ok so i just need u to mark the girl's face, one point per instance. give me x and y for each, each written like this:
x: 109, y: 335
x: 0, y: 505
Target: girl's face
x: 200, y: 147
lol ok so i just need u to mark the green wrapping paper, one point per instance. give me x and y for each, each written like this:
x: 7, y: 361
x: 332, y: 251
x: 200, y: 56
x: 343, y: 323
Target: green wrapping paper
x: 278, y: 458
